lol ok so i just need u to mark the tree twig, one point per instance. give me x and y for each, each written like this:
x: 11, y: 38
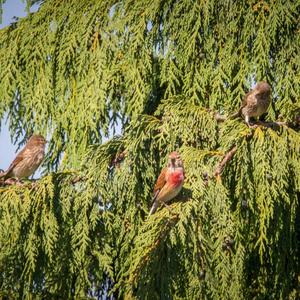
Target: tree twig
x: 274, y: 125
x: 33, y: 182
x: 14, y: 181
x: 228, y: 156
x: 77, y: 179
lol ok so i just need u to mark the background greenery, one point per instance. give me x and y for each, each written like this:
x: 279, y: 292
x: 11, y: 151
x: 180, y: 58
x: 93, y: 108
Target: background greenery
x: 75, y: 71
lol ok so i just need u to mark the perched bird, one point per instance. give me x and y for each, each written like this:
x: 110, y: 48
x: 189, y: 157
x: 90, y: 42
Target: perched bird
x: 256, y: 102
x: 169, y: 182
x: 28, y: 159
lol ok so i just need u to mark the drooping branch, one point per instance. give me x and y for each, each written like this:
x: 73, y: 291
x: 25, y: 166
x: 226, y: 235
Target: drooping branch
x: 228, y: 156
x: 165, y: 226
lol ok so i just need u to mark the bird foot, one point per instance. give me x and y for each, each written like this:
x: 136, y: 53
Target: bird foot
x: 167, y: 207
x: 251, y: 125
x: 19, y: 182
x: 11, y: 181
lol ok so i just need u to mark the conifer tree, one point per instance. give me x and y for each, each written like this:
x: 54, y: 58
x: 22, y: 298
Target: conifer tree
x: 163, y: 71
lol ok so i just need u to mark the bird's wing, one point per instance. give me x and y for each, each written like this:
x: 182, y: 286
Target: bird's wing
x: 245, y: 99
x: 20, y: 156
x: 161, y: 181
x: 250, y: 99
x: 244, y: 103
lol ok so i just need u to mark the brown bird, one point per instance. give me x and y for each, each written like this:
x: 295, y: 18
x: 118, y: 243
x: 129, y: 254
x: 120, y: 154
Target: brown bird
x: 169, y: 182
x: 28, y: 159
x: 255, y: 102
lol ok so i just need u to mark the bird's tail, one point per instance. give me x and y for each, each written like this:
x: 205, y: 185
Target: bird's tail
x: 220, y: 118
x: 153, y: 208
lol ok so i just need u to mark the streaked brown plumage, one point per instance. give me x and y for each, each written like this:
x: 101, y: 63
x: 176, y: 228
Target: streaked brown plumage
x: 256, y: 102
x: 27, y: 160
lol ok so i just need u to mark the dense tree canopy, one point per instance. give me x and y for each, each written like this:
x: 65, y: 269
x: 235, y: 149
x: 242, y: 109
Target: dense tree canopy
x: 76, y: 71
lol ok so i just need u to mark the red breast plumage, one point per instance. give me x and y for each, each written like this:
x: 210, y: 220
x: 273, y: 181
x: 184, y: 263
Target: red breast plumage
x: 176, y: 178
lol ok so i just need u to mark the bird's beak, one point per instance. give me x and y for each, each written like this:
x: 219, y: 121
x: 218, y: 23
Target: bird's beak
x: 173, y: 160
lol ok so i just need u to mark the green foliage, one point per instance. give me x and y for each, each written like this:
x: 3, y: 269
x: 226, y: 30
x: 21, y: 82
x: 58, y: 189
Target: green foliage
x: 74, y: 71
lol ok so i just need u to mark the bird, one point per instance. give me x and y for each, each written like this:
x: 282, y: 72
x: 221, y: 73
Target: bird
x: 169, y: 182
x: 28, y: 159
x: 255, y: 102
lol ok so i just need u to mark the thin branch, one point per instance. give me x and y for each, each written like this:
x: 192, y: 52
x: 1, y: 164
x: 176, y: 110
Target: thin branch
x: 228, y: 156
x: 77, y: 179
x: 274, y: 125
x: 11, y: 181
x: 33, y: 182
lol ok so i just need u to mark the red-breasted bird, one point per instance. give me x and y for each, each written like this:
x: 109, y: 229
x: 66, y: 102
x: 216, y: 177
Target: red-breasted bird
x: 255, y: 102
x: 169, y: 182
x: 28, y: 159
